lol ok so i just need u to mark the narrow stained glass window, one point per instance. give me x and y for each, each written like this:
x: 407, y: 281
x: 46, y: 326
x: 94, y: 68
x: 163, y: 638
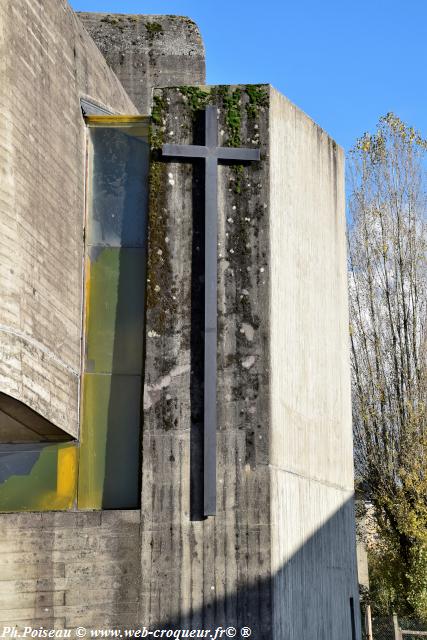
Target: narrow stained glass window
x: 115, y: 256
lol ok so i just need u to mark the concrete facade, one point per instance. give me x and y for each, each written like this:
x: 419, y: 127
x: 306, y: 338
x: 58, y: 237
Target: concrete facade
x: 44, y: 70
x: 279, y: 556
x: 311, y: 461
x: 148, y: 51
x: 214, y: 571
x: 64, y: 570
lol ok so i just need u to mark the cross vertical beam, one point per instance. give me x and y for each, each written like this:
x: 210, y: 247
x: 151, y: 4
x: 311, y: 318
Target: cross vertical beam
x: 211, y: 315
x: 211, y: 153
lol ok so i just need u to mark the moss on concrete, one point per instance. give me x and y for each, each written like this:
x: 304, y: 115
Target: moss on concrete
x: 154, y: 29
x: 158, y: 267
x: 239, y: 107
x: 229, y: 101
x: 258, y: 97
x: 159, y: 110
x: 115, y: 21
x: 197, y: 98
x: 231, y: 105
x: 110, y: 19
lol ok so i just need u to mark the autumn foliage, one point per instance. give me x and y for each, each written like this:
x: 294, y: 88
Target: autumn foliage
x: 387, y: 289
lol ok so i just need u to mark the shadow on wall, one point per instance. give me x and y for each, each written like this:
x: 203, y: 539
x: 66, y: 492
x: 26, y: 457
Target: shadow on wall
x: 312, y: 597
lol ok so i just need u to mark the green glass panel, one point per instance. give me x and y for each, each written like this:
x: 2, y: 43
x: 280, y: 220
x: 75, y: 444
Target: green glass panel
x: 114, y: 314
x: 110, y: 448
x: 39, y: 477
x: 119, y: 187
x: 115, y: 283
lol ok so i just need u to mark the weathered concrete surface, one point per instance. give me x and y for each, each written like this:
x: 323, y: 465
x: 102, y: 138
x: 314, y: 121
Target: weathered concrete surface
x: 148, y: 51
x: 205, y: 572
x: 280, y: 554
x: 47, y: 61
x: 311, y: 461
x: 70, y: 569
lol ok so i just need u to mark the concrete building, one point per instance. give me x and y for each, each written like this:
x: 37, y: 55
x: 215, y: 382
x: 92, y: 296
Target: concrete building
x: 102, y: 455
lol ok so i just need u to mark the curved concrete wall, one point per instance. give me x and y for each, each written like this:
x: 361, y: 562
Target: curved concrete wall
x: 148, y: 51
x: 47, y: 62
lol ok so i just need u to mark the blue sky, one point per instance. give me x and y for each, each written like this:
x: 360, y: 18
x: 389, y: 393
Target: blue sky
x: 344, y: 62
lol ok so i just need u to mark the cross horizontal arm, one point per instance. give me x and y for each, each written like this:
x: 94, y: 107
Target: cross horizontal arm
x: 232, y: 153
x: 185, y: 150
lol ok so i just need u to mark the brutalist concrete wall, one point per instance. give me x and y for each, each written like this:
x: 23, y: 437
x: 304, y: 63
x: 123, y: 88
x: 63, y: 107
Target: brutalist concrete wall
x: 68, y: 570
x: 311, y: 461
x: 47, y: 62
x: 215, y: 571
x: 279, y: 556
x: 148, y: 51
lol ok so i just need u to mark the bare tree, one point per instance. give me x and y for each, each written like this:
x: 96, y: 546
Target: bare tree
x: 387, y: 288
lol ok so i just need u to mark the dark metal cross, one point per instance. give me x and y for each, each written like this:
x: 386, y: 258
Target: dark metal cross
x: 211, y: 153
